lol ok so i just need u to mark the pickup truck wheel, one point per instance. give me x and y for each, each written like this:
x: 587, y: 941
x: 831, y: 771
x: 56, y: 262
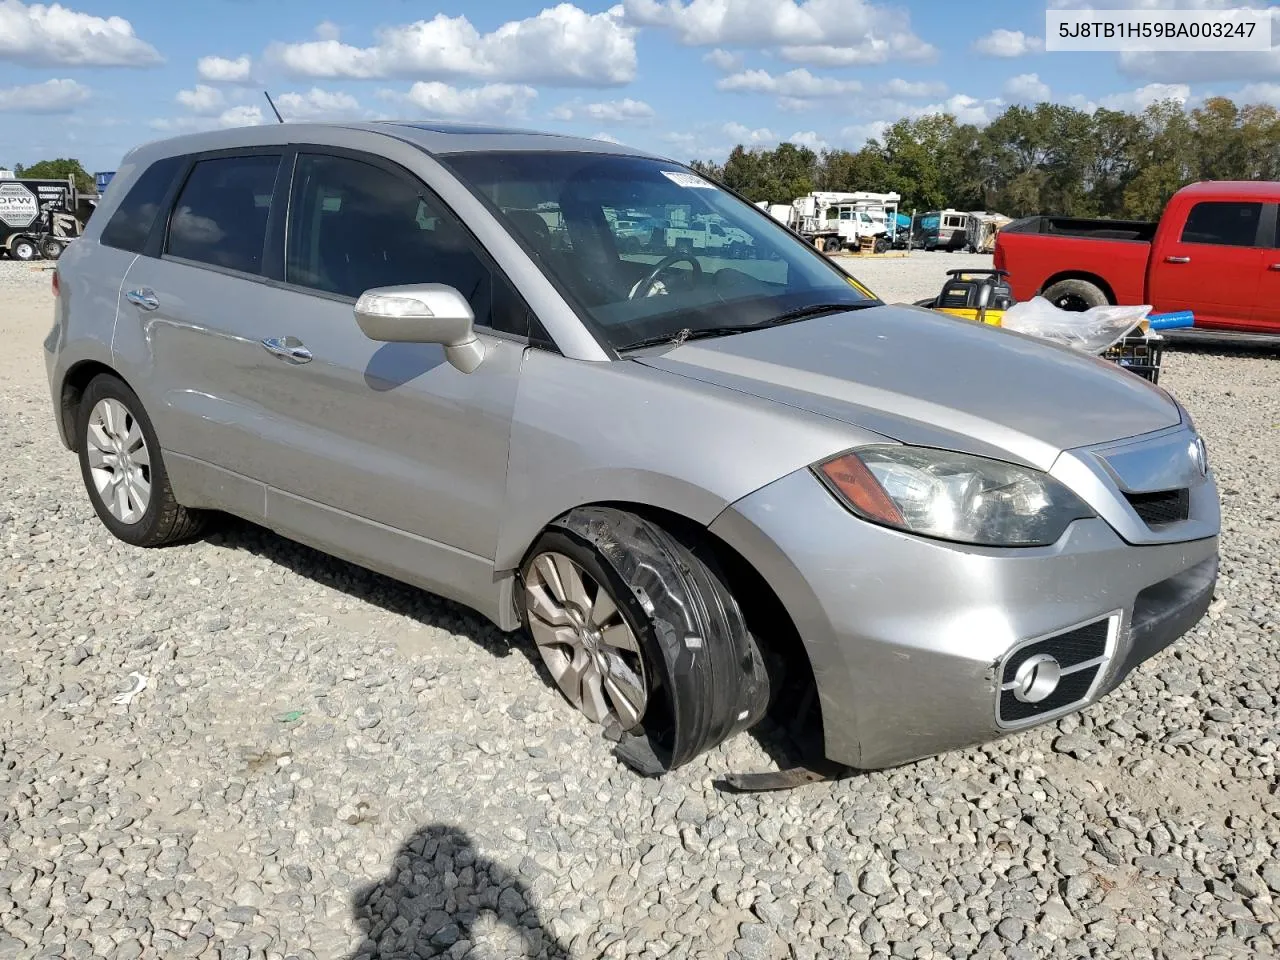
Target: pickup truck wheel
x: 124, y: 471
x: 640, y: 632
x: 1076, y: 295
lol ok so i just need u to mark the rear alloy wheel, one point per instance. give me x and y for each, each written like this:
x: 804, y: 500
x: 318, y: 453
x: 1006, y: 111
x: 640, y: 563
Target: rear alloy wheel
x: 123, y: 468
x: 23, y: 250
x: 640, y: 632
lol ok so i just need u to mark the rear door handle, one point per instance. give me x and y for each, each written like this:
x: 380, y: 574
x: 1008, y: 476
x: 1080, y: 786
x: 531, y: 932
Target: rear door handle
x: 289, y: 349
x: 144, y: 298
x: 1177, y: 259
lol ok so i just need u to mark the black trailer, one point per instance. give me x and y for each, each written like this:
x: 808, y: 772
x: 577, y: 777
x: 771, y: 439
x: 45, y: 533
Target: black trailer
x: 38, y: 218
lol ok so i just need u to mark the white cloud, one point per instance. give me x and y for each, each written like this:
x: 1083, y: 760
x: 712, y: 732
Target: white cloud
x: 723, y: 60
x: 1008, y: 43
x: 964, y: 108
x: 561, y: 45
x: 328, y: 30
x: 857, y: 135
x: 1258, y: 93
x: 238, y: 116
x: 609, y: 111
x: 1027, y: 88
x: 822, y: 32
x: 203, y: 100
x: 1135, y: 101
x: 52, y: 96
x: 913, y: 88
x: 794, y: 83
x: 438, y: 99
x: 317, y: 104
x: 222, y: 70
x: 41, y: 35
x: 745, y: 135
x: 810, y: 139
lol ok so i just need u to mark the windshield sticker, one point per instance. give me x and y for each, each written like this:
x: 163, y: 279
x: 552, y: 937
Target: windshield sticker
x: 682, y: 179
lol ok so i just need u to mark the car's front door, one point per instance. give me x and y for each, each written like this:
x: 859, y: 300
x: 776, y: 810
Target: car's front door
x: 1214, y: 266
x: 378, y: 437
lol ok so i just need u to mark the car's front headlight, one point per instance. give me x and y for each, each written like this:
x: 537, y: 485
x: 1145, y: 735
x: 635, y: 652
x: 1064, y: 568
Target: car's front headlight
x: 953, y: 496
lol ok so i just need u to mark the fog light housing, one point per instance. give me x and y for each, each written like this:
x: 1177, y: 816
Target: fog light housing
x: 1037, y: 678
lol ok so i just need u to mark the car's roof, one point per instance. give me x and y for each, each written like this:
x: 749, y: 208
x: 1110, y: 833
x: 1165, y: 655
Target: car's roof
x: 1254, y: 189
x: 434, y: 137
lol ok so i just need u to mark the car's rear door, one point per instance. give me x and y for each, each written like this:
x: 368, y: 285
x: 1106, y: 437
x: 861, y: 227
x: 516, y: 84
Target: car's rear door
x: 193, y: 305
x: 1266, y: 311
x: 1213, y: 267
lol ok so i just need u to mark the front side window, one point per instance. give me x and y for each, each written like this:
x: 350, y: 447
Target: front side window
x: 696, y: 258
x: 221, y: 214
x: 354, y: 226
x: 1223, y: 224
x: 130, y: 226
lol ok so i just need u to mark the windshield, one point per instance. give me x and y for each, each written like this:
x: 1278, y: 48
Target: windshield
x: 645, y: 250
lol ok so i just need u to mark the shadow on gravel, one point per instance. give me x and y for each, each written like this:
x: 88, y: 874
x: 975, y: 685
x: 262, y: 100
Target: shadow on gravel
x: 391, y: 595
x: 438, y: 893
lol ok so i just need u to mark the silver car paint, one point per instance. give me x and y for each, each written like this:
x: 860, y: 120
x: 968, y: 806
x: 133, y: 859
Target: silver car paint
x: 928, y: 378
x: 720, y: 432
x: 903, y: 633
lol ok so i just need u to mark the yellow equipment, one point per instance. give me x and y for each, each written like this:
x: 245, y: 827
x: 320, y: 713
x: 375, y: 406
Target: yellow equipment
x: 981, y: 295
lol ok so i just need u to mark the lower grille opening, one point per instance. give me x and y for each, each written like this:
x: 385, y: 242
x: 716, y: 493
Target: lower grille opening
x: 1167, y: 506
x: 1054, y: 673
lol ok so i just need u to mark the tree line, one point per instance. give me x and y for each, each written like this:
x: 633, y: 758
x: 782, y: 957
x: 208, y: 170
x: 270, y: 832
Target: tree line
x: 1049, y: 158
x: 58, y: 169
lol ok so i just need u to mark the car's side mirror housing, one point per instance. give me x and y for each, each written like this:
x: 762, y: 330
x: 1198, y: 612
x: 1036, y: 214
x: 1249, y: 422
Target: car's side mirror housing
x: 422, y: 313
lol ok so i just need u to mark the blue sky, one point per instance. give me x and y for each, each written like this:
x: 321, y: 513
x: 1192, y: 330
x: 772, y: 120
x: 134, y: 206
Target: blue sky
x: 688, y: 78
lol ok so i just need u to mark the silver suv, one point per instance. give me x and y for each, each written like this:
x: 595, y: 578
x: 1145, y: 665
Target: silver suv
x: 707, y: 482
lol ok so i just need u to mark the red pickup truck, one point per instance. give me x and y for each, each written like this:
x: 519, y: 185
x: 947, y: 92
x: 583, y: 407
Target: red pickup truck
x: 1215, y: 251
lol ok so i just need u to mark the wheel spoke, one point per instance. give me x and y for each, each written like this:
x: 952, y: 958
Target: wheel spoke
x: 140, y: 490
x: 594, y: 703
x: 142, y: 456
x: 97, y: 457
x: 546, y: 569
x: 575, y: 590
x: 133, y: 440
x: 603, y: 609
x: 97, y: 435
x: 543, y: 606
x: 554, y: 637
x: 113, y: 415
x: 626, y: 693
x: 620, y: 637
x: 121, y: 510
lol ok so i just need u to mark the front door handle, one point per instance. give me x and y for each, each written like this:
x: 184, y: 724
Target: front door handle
x: 289, y: 349
x: 144, y: 298
x: 1274, y: 266
x: 1177, y: 259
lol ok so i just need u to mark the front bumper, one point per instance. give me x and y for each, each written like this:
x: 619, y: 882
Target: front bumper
x: 910, y: 638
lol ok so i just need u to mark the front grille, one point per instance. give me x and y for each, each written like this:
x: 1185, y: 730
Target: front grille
x: 1156, y: 509
x: 1081, y: 654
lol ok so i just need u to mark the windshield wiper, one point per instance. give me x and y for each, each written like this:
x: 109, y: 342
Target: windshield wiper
x: 791, y: 316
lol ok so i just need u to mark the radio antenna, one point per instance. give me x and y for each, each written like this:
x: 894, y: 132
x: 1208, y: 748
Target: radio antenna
x: 273, y: 106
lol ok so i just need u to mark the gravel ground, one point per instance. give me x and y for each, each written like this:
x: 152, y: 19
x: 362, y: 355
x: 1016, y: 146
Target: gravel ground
x: 324, y: 763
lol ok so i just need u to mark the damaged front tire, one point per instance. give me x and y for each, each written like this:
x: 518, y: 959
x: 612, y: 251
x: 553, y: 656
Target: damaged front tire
x: 640, y: 632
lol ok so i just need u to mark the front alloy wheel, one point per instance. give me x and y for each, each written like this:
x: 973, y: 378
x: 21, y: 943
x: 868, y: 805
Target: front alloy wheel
x: 587, y: 646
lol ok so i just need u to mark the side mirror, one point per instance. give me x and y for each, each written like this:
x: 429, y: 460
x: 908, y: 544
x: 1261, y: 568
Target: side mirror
x: 422, y: 313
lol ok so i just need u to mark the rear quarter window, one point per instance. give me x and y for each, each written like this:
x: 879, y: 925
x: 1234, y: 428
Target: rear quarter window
x: 130, y: 226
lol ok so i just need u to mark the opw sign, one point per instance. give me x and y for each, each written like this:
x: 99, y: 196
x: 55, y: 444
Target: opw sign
x: 18, y: 205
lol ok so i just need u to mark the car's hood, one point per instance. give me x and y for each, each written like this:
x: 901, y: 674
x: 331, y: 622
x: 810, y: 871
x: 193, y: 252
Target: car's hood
x: 926, y: 378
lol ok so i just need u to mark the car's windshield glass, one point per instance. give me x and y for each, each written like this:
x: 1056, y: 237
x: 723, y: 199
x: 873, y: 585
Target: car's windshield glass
x: 645, y: 250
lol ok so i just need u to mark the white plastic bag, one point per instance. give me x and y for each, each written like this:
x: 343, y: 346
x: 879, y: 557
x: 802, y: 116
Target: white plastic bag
x: 1091, y: 331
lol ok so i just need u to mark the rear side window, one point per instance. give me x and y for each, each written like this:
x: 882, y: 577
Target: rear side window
x: 221, y: 214
x: 133, y: 221
x: 1225, y: 224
